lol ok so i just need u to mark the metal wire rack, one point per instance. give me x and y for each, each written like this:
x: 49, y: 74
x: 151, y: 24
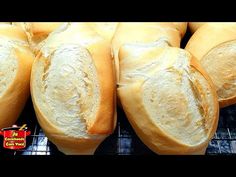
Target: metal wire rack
x: 124, y: 141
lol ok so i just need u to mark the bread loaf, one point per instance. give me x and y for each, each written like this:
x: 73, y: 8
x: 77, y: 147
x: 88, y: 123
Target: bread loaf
x: 73, y: 89
x: 211, y: 45
x: 105, y: 29
x: 193, y: 26
x: 220, y: 63
x: 168, y: 98
x: 15, y: 67
x: 37, y: 32
x: 9, y: 23
x: 145, y: 33
x: 210, y: 35
x: 182, y: 27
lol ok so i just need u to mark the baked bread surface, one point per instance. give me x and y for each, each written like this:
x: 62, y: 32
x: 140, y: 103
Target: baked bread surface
x: 168, y: 98
x: 73, y: 89
x: 15, y: 66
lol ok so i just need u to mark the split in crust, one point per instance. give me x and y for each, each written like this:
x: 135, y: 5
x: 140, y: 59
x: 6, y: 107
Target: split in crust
x: 73, y: 89
x: 168, y: 98
x: 15, y: 67
x: 220, y: 64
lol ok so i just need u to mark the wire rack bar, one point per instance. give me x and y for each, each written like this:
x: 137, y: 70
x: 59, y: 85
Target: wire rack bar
x: 124, y: 141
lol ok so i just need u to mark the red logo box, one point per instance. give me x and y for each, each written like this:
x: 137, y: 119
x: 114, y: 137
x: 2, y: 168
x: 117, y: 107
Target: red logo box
x: 14, y: 138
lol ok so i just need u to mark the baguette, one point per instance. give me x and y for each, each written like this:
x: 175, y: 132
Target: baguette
x: 15, y: 66
x: 209, y: 36
x: 168, y: 98
x: 193, y: 26
x: 73, y: 89
x: 105, y: 29
x: 182, y: 27
x: 214, y: 45
x: 220, y: 63
x: 145, y: 33
x: 37, y: 32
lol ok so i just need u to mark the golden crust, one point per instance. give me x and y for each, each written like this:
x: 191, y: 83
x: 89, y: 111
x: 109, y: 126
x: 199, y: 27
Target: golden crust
x: 151, y: 134
x: 206, y: 39
x: 208, y: 36
x: 37, y: 32
x: 193, y: 26
x: 195, y: 64
x: 229, y: 100
x: 182, y: 27
x: 39, y: 28
x: 65, y: 144
x: 12, y: 32
x: 157, y: 140
x: 105, y: 29
x: 13, y: 100
x: 103, y: 123
x: 143, y: 33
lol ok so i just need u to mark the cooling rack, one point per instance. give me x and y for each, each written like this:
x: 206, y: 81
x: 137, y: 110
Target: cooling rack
x: 123, y: 141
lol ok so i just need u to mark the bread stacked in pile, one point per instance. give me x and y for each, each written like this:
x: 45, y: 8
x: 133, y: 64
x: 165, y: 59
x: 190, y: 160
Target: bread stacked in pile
x: 171, y: 96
